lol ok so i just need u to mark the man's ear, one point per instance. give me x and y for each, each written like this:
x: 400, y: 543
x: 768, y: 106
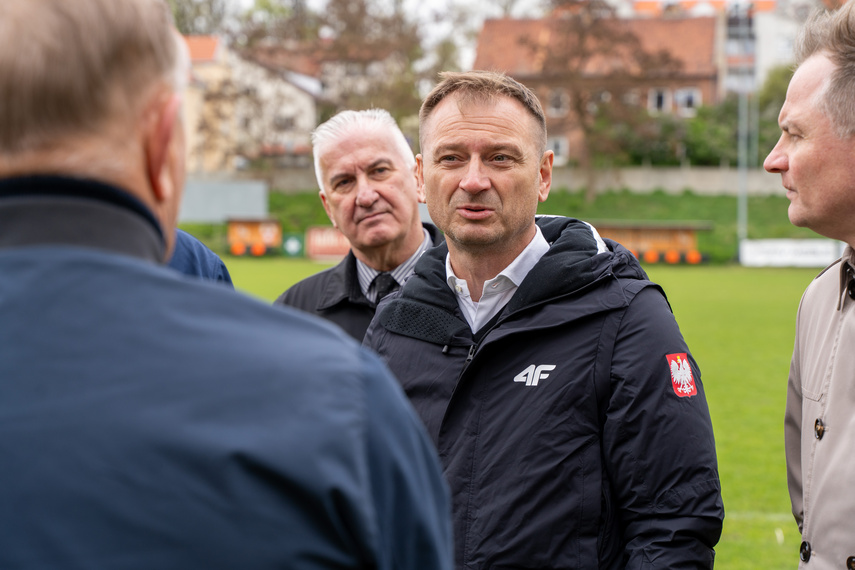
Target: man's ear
x: 162, y: 123
x: 420, y: 178
x: 327, y: 208
x: 545, y: 175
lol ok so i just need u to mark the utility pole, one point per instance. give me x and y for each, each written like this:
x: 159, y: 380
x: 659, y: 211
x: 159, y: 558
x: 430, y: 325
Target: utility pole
x: 745, y: 37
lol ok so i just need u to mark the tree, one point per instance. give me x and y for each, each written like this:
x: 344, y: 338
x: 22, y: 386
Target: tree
x: 770, y: 99
x: 712, y: 134
x: 376, y: 51
x: 199, y: 17
x: 635, y: 137
x: 289, y: 20
x: 597, y: 60
x: 364, y: 51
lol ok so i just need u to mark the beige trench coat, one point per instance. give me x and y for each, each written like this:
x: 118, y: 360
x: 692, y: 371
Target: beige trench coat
x: 819, y: 425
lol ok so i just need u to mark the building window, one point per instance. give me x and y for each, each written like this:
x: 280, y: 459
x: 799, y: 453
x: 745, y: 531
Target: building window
x: 687, y: 101
x: 659, y: 100
x: 558, y: 103
x: 561, y: 147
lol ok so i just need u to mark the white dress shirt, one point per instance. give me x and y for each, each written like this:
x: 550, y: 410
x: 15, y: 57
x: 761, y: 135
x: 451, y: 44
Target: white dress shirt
x: 498, y: 290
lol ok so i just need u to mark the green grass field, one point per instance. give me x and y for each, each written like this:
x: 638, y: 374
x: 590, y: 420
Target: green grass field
x: 739, y: 323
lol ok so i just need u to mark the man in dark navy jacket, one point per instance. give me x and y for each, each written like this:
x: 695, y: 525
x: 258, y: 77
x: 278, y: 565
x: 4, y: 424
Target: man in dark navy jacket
x: 566, y: 407
x: 192, y: 257
x: 149, y: 421
x: 366, y: 173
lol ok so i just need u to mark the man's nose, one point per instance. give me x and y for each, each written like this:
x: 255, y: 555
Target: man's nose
x: 366, y: 194
x: 475, y: 177
x: 777, y: 161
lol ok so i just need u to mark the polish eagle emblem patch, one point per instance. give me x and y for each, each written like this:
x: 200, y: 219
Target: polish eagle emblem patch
x: 681, y: 375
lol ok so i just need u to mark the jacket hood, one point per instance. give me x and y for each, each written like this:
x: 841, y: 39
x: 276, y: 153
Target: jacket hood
x: 577, y: 259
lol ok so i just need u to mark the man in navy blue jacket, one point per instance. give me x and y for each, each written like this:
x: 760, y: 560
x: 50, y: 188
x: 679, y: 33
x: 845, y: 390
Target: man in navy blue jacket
x: 192, y: 257
x: 149, y: 421
x: 566, y: 407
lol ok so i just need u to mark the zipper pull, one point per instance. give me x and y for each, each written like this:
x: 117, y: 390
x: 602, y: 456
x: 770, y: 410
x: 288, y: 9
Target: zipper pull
x: 472, y: 350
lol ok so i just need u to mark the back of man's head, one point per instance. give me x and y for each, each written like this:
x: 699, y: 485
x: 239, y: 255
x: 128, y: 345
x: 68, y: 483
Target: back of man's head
x: 70, y: 67
x: 833, y: 34
x: 347, y: 122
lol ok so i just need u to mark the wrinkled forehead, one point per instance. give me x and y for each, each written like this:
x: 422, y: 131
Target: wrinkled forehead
x: 495, y: 113
x: 360, y: 149
x: 808, y: 84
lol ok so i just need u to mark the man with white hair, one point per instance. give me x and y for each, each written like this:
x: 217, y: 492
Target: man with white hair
x: 367, y: 180
x: 149, y: 420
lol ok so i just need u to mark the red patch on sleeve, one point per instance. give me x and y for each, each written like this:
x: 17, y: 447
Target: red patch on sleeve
x: 682, y: 379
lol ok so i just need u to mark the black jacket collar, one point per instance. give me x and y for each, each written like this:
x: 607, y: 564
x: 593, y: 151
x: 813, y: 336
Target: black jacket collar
x: 344, y: 282
x: 427, y: 308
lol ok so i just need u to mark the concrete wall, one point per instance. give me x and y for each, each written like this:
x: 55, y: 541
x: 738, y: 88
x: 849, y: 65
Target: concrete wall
x: 701, y: 180
x: 216, y: 201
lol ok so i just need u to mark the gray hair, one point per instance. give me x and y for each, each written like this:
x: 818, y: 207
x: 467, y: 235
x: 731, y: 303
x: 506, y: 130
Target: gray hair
x: 833, y: 34
x: 347, y: 122
x: 79, y: 65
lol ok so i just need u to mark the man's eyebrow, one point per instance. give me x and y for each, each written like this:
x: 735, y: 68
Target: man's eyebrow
x: 379, y: 162
x: 335, y: 178
x: 497, y: 147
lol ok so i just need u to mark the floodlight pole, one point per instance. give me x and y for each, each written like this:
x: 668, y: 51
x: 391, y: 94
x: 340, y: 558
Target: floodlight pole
x: 746, y: 86
x: 742, y: 202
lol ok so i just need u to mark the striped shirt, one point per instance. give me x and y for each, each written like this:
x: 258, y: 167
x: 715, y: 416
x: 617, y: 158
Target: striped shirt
x: 367, y: 274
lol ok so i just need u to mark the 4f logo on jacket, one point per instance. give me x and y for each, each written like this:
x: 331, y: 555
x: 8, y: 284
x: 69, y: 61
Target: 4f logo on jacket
x: 681, y: 375
x: 533, y: 374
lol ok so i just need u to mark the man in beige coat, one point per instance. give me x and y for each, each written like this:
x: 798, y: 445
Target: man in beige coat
x: 815, y: 159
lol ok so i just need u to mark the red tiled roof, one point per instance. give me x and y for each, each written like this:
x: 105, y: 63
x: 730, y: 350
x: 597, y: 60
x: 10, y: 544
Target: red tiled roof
x: 509, y: 45
x: 278, y: 57
x: 202, y: 48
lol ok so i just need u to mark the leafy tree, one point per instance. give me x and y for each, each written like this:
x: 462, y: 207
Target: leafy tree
x: 600, y: 62
x: 281, y: 19
x: 379, y: 49
x: 200, y: 17
x: 770, y: 99
x: 711, y: 136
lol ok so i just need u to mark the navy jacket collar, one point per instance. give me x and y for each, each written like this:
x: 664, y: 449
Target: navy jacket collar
x: 58, y: 210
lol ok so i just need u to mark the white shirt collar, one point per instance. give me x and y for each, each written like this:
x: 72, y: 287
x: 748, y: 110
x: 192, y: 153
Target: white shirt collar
x: 498, y: 290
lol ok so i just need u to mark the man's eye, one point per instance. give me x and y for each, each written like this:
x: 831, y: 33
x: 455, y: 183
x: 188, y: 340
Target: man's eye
x: 447, y: 158
x: 341, y: 185
x: 500, y: 158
